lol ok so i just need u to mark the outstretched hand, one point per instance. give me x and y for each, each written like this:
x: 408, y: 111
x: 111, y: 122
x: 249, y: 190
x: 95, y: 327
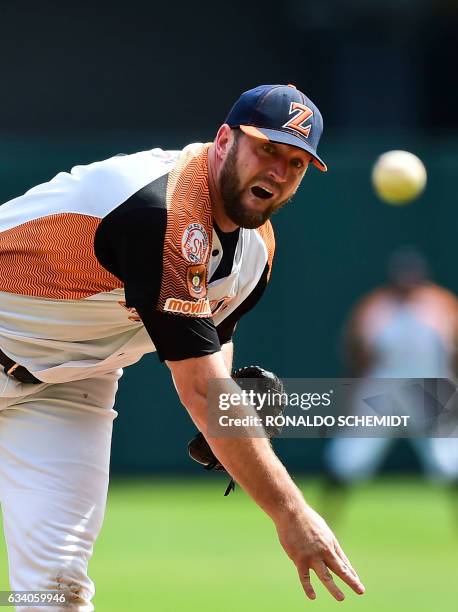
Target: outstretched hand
x: 311, y: 545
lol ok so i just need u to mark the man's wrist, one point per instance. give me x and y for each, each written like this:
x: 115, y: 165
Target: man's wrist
x: 289, y: 504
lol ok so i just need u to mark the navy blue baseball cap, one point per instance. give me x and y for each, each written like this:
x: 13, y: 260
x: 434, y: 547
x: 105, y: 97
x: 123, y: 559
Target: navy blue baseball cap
x: 279, y: 113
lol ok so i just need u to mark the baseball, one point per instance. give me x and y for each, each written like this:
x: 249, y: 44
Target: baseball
x: 398, y: 177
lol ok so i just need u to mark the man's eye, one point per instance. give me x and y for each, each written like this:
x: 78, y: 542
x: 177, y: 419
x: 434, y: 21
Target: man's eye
x: 298, y: 163
x: 268, y: 148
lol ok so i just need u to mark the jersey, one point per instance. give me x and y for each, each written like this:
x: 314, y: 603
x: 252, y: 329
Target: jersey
x: 415, y: 337
x: 119, y: 258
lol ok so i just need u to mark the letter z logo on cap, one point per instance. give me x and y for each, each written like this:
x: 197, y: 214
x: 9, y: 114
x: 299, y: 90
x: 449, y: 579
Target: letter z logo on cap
x: 303, y: 114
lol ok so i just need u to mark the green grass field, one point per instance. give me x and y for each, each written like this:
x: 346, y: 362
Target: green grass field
x: 179, y: 545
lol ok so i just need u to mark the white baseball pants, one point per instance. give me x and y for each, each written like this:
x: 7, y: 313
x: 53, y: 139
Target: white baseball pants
x: 55, y: 442
x: 359, y: 458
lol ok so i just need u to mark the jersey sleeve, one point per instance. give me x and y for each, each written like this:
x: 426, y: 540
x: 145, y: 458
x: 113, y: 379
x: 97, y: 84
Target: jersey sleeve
x: 227, y: 327
x: 130, y: 243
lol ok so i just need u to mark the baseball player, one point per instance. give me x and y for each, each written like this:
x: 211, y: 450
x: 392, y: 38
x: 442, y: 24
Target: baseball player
x: 405, y: 329
x: 155, y: 251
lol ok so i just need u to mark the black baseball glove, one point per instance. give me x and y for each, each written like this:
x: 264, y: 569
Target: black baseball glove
x: 249, y: 378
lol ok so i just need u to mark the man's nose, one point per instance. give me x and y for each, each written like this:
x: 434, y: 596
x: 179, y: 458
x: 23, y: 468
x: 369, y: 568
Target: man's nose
x: 279, y: 171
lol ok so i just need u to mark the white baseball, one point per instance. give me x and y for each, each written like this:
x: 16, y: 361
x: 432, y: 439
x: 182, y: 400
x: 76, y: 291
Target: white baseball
x: 398, y: 177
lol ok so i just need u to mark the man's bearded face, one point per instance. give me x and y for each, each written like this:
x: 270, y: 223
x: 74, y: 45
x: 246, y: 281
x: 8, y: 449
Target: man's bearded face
x: 235, y: 195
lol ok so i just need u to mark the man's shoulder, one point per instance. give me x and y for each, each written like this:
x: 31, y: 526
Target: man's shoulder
x: 130, y: 165
x: 103, y: 185
x: 439, y: 296
x: 143, y: 168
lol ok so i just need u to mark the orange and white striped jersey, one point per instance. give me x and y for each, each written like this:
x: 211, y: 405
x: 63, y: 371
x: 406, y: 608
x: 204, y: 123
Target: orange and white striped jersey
x: 116, y: 259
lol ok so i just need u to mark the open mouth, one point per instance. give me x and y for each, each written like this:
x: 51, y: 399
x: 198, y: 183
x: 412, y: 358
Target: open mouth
x: 261, y: 192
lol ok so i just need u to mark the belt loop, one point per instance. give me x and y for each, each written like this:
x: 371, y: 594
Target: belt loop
x: 10, y: 372
x: 15, y: 370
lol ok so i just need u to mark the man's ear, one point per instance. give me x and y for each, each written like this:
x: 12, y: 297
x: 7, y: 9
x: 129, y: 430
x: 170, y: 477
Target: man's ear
x: 223, y: 141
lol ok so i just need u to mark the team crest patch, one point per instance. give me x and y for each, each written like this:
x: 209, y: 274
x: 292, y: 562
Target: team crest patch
x: 196, y: 277
x: 194, y: 243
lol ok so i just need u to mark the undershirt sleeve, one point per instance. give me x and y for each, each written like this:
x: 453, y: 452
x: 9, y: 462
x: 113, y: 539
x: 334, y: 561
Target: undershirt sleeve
x: 129, y: 243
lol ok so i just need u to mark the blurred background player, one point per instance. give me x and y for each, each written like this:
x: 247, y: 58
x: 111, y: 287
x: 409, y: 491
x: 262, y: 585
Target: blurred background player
x: 406, y: 329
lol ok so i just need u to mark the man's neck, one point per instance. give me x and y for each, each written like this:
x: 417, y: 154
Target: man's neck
x: 222, y: 220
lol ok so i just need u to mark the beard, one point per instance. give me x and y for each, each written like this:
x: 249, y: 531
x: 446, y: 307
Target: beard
x: 232, y: 193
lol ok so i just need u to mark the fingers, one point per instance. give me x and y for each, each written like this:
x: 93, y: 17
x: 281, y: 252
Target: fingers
x: 342, y: 569
x: 346, y: 573
x: 304, y: 577
x: 325, y: 576
x: 344, y: 558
